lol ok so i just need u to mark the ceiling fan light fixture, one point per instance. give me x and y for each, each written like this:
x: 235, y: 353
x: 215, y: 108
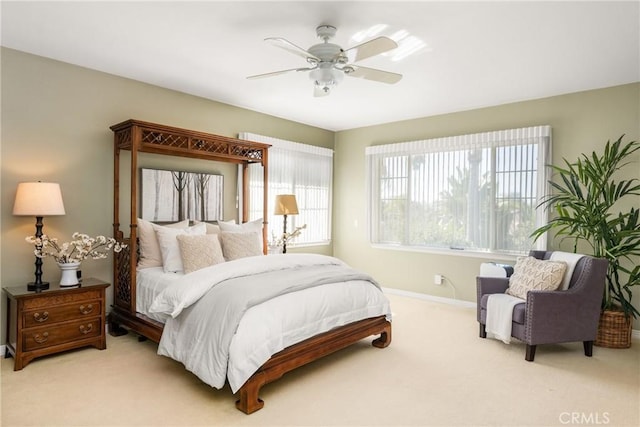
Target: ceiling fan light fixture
x: 326, y: 77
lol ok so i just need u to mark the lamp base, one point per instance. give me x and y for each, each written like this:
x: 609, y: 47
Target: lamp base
x: 33, y: 286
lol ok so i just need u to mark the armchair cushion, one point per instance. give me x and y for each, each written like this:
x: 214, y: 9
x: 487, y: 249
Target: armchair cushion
x: 518, y: 310
x: 530, y: 274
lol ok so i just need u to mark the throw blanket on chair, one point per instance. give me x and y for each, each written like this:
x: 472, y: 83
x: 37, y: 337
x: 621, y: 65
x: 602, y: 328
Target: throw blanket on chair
x: 500, y: 315
x: 571, y: 260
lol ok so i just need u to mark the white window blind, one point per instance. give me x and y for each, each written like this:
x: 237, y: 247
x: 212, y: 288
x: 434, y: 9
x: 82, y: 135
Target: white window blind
x: 300, y: 169
x: 475, y: 192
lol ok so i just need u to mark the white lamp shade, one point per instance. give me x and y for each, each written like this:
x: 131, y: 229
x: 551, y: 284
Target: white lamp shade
x: 38, y: 199
x: 286, y: 205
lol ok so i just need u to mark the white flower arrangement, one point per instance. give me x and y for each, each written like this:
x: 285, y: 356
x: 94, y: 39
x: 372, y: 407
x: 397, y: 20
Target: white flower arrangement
x: 80, y: 248
x: 285, y: 238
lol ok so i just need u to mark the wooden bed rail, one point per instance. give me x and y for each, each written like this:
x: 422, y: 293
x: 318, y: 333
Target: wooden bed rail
x: 307, y: 351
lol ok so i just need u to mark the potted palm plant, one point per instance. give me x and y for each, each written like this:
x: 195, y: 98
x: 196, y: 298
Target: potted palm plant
x: 586, y: 202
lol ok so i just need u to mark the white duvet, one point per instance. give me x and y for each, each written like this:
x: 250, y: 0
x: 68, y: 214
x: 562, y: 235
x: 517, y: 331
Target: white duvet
x: 265, y: 328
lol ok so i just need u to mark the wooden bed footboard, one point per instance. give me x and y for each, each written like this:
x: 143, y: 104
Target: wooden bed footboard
x: 280, y: 363
x: 307, y: 351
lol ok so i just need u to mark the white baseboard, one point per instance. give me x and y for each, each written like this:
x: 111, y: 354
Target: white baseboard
x: 635, y: 333
x: 451, y: 301
x: 3, y: 348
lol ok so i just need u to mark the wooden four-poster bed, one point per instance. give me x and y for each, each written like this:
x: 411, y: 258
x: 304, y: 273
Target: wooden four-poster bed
x: 143, y: 137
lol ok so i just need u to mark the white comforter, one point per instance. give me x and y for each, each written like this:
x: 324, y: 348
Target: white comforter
x: 265, y: 328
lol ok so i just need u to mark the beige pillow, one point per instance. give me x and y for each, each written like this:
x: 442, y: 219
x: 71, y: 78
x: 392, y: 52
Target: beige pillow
x: 199, y: 251
x: 150, y: 255
x: 530, y: 273
x: 168, y: 242
x: 239, y: 245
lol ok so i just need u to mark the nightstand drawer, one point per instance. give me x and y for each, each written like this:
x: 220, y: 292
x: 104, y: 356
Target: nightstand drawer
x: 41, y: 337
x: 47, y: 315
x: 56, y: 300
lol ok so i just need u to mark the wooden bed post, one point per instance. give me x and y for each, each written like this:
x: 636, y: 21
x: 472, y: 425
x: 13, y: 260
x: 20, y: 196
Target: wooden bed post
x: 133, y: 208
x: 265, y: 200
x: 117, y: 234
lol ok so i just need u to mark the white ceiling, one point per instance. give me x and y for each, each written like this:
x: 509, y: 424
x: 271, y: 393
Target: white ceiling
x: 477, y: 53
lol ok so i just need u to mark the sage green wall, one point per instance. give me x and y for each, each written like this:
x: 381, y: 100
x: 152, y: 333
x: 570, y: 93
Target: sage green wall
x: 581, y: 123
x: 55, y: 127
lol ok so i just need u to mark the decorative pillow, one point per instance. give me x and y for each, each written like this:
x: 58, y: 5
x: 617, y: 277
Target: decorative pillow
x: 251, y: 226
x: 239, y: 245
x: 150, y: 255
x: 171, y: 261
x: 530, y: 273
x: 199, y: 251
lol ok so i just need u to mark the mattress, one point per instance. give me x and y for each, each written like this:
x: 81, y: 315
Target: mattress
x: 149, y: 283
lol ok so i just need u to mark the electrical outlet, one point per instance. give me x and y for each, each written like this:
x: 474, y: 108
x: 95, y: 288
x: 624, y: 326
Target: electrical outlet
x: 437, y: 279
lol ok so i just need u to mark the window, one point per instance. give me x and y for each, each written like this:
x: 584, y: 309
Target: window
x: 300, y: 169
x: 472, y: 192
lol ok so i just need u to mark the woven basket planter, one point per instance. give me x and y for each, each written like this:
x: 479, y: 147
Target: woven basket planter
x: 614, y: 330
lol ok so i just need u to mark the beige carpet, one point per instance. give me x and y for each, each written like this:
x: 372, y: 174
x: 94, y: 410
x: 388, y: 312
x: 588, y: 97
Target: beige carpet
x: 437, y: 372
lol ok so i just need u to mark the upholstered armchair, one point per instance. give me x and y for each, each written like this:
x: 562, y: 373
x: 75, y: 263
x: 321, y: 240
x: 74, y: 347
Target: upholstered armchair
x: 549, y: 317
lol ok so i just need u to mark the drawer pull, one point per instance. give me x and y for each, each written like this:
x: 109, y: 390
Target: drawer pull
x: 41, y: 318
x: 86, y: 309
x: 41, y: 338
x: 86, y: 329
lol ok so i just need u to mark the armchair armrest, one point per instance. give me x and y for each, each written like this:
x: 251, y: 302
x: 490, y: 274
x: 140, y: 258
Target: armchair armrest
x: 489, y: 285
x: 560, y: 316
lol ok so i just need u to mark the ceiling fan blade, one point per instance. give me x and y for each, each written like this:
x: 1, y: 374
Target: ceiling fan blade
x: 373, y: 74
x: 319, y: 91
x: 277, y: 73
x: 290, y: 47
x: 371, y: 48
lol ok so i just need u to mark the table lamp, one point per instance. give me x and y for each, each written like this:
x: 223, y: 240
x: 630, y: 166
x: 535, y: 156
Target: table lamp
x: 285, y: 205
x: 38, y: 199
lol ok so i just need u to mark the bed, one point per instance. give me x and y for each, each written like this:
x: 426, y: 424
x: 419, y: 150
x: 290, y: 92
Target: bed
x: 311, y: 305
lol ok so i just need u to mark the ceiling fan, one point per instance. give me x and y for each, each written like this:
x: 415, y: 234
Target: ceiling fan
x: 329, y: 63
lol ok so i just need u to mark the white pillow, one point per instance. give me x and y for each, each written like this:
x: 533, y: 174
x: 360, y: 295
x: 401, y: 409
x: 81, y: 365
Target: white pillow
x: 211, y: 228
x: 169, y: 248
x: 150, y: 255
x: 199, y: 251
x: 251, y: 226
x: 240, y: 245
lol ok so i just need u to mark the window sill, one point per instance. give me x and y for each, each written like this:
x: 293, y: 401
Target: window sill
x: 307, y: 245
x: 451, y: 252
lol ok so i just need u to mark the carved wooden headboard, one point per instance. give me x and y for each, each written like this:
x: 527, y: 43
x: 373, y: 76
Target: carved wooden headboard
x: 142, y: 137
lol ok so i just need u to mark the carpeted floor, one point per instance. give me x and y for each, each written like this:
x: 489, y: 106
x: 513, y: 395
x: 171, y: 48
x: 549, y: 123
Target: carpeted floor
x: 437, y: 372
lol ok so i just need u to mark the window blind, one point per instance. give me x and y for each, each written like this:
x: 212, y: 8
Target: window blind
x: 474, y: 192
x: 295, y: 168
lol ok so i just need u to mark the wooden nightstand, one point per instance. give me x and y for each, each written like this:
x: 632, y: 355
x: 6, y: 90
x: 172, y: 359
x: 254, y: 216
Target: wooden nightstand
x: 54, y: 320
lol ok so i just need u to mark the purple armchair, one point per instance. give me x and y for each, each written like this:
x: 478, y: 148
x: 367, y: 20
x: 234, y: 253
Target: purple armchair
x: 550, y: 317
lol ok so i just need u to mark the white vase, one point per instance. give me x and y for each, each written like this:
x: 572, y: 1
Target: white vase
x: 274, y: 249
x: 69, y: 273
